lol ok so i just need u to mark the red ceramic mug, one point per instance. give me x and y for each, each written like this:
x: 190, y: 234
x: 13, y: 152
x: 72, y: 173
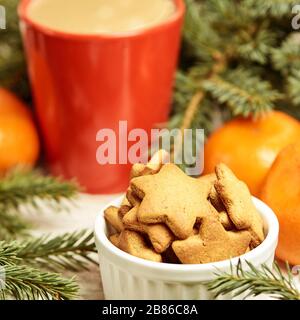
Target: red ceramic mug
x: 83, y: 83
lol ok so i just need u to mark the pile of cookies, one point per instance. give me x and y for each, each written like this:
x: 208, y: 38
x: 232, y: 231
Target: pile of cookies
x: 167, y: 216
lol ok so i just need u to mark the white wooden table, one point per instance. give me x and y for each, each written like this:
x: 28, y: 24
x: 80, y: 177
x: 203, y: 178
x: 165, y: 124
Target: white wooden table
x: 82, y: 215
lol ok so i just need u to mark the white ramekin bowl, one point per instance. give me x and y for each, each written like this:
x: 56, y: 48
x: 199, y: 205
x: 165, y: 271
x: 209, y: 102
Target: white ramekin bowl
x: 127, y: 277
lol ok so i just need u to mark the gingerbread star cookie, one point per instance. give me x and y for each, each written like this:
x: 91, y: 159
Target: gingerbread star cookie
x: 159, y: 235
x: 114, y: 239
x: 134, y: 244
x: 215, y: 199
x: 140, y: 169
x: 125, y: 206
x: 225, y: 220
x: 217, y: 202
x: 111, y: 214
x: 209, y: 178
x: 132, y: 198
x: 213, y: 243
x: 237, y: 200
x: 172, y: 197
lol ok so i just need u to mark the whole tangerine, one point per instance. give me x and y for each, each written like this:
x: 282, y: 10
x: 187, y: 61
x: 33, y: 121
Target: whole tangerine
x: 11, y: 104
x: 249, y: 146
x: 281, y: 191
x: 19, y: 143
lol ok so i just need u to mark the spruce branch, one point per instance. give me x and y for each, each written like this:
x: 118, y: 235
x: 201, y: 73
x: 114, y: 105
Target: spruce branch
x: 252, y: 281
x: 270, y: 8
x: 69, y: 251
x: 26, y: 283
x: 242, y: 36
x: 294, y: 87
x: 28, y: 187
x: 12, y: 224
x: 255, y: 44
x: 185, y: 88
x: 21, y: 260
x: 188, y: 113
x: 287, y: 57
x: 191, y: 110
x: 189, y: 116
x: 228, y: 15
x: 201, y: 39
x: 12, y: 63
x: 244, y: 93
x: 8, y: 253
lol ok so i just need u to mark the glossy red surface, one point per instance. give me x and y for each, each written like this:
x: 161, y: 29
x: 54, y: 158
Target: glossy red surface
x: 83, y: 83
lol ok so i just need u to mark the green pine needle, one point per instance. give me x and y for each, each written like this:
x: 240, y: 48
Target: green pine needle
x: 201, y: 44
x: 21, y: 261
x: 8, y: 253
x: 70, y: 251
x: 294, y: 87
x: 185, y: 88
x: 270, y: 8
x: 26, y: 283
x: 249, y: 281
x: 287, y: 57
x: 226, y: 15
x: 256, y: 46
x: 29, y: 187
x: 12, y: 61
x: 12, y: 224
x: 243, y: 92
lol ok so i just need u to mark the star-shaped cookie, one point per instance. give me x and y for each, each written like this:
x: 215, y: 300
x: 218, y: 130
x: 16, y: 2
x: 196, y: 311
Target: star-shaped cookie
x: 217, y: 202
x: 134, y: 244
x: 237, y: 200
x: 112, y: 216
x: 159, y: 234
x: 125, y: 206
x: 174, y: 198
x: 213, y: 243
